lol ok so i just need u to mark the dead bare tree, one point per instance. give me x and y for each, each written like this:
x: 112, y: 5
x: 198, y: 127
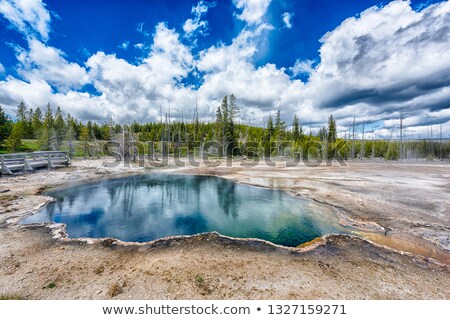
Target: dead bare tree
x: 97, y: 149
x: 440, y: 142
x: 401, y: 134
x: 353, y: 139
x: 363, y: 142
x: 373, y: 143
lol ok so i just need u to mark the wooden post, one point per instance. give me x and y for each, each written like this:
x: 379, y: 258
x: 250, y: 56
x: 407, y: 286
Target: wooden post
x: 5, y: 169
x: 49, y: 164
x: 27, y: 164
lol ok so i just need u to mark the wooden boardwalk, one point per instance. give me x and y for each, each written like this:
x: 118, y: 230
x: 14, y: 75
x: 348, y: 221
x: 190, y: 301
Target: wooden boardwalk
x: 25, y: 162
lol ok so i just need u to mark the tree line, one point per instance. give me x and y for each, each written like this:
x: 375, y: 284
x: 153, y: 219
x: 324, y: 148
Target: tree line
x: 49, y: 129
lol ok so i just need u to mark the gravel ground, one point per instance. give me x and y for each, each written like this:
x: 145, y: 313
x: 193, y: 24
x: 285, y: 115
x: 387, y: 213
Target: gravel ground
x: 400, y: 210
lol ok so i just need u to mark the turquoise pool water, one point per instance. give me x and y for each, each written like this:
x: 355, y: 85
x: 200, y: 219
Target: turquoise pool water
x: 148, y: 207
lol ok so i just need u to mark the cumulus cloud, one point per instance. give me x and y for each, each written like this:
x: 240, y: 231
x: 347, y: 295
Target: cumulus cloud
x: 12, y: 91
x: 287, y: 16
x: 135, y: 91
x: 385, y: 59
x: 229, y: 69
x: 169, y: 58
x: 302, y: 67
x: 252, y: 11
x: 126, y: 91
x: 197, y: 24
x: 42, y: 62
x: 29, y: 17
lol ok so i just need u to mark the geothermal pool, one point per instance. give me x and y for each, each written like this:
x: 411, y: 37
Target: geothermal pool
x: 148, y: 207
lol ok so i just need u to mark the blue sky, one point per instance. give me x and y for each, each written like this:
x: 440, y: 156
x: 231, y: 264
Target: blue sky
x: 125, y: 59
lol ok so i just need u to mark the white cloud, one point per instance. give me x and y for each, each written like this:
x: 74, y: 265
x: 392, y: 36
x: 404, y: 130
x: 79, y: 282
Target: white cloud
x: 287, y: 16
x: 12, y: 91
x: 29, y: 17
x: 124, y: 45
x: 139, y: 46
x: 135, y: 91
x: 190, y: 26
x: 386, y: 59
x: 197, y: 24
x: 370, y: 66
x: 2, y: 69
x: 169, y: 58
x: 229, y: 69
x: 302, y: 67
x: 252, y: 11
x: 140, y: 29
x: 42, y: 62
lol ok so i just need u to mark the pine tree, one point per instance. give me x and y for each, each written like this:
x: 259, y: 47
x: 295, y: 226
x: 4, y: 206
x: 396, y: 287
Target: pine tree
x: 89, y: 127
x: 280, y: 127
x: 36, y: 123
x: 59, y: 127
x: 296, y: 129
x: 224, y: 108
x: 53, y: 140
x: 48, y: 118
x: 322, y: 133
x: 270, y: 129
x: 71, y: 123
x: 22, y: 117
x: 84, y: 137
x: 219, y: 124
x: 234, y: 108
x: 268, y: 136
x: 70, y: 138
x: 14, y: 140
x: 231, y: 137
x: 45, y: 136
x: 331, y: 129
x: 330, y: 138
x: 29, y: 125
x: 22, y: 113
x: 5, y: 126
x: 196, y: 123
x: 110, y: 130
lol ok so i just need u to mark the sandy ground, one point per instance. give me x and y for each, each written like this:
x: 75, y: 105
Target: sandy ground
x: 400, y: 210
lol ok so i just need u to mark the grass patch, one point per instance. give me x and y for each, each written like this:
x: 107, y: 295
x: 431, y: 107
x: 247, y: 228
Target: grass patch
x: 11, y: 296
x: 199, y: 281
x: 50, y: 285
x: 29, y: 145
x: 8, y: 197
x: 203, y: 286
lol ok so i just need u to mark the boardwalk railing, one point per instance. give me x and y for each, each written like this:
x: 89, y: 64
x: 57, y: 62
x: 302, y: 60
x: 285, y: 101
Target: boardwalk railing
x: 24, y: 162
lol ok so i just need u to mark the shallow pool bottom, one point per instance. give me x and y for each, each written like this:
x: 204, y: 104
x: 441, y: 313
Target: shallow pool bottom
x: 149, y: 207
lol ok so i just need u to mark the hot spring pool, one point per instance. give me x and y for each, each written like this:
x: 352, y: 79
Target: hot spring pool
x: 148, y: 207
